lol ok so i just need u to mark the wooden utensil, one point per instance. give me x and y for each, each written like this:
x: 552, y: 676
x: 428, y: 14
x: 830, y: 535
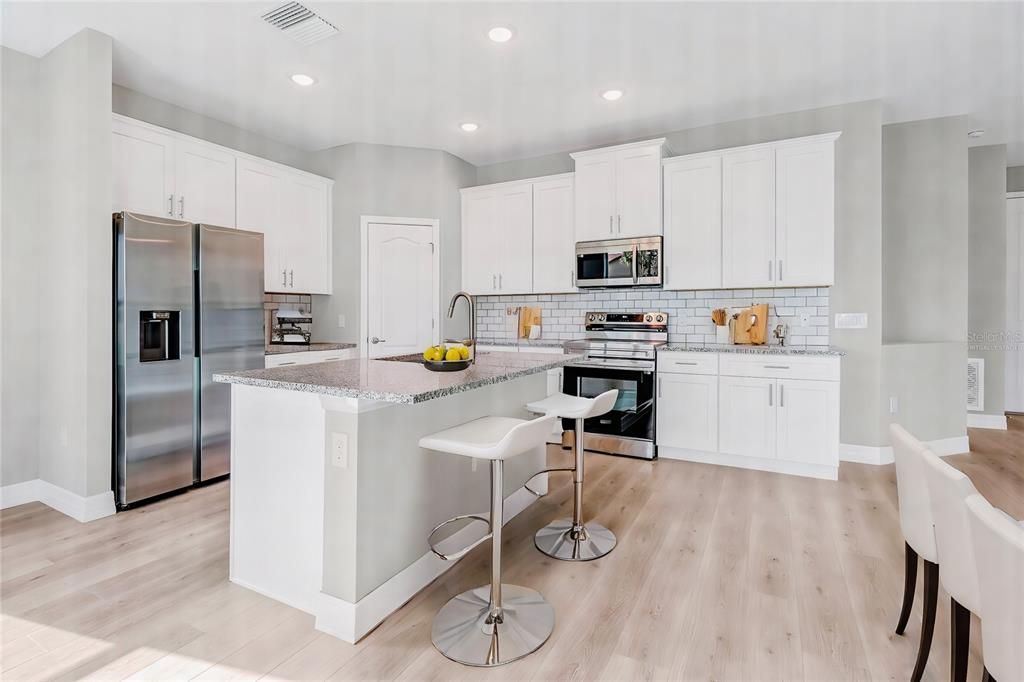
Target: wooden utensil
x: 719, y: 317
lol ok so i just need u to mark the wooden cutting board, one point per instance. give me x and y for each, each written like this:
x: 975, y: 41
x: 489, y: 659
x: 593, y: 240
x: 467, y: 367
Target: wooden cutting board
x: 751, y: 327
x: 528, y: 317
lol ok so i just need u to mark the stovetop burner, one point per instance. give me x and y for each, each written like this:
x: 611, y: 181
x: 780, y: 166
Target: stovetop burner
x: 622, y: 335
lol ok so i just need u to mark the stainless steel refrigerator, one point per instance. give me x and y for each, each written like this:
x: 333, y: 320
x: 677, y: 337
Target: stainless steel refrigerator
x: 188, y: 304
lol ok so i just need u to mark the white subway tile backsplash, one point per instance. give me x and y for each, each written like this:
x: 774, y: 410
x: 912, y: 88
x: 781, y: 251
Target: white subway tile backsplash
x: 689, y: 312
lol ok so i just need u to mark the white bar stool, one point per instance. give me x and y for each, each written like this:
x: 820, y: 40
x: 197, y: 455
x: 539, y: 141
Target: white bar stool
x: 571, y: 539
x: 492, y: 624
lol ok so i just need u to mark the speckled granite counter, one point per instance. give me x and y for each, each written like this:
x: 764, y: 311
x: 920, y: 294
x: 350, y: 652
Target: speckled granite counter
x: 395, y: 381
x: 522, y: 344
x: 278, y: 348
x: 752, y: 350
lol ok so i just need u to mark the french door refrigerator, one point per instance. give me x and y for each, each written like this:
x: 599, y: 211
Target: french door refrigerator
x: 188, y: 304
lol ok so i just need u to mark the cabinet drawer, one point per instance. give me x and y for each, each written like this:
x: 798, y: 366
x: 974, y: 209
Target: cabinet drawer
x: 687, y: 362
x: 780, y: 367
x: 308, y: 357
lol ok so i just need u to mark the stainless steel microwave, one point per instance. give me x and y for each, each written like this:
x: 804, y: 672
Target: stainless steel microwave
x: 619, y: 263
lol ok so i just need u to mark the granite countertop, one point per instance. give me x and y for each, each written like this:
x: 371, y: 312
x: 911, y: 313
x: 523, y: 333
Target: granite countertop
x: 395, y: 381
x: 753, y: 350
x: 278, y: 348
x: 522, y: 343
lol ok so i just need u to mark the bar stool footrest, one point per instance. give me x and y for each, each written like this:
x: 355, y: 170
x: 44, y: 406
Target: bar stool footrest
x: 464, y: 551
x: 543, y: 471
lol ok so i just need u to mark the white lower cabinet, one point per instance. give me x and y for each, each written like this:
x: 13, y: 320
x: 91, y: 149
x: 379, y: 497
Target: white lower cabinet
x: 309, y: 357
x: 756, y: 412
x: 688, y: 411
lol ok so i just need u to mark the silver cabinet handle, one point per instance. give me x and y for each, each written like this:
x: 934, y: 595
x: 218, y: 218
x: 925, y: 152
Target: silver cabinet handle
x: 769, y: 270
x: 284, y: 278
x: 375, y: 340
x: 499, y: 281
x: 620, y: 223
x: 776, y: 366
x: 684, y: 363
x: 291, y: 278
x: 181, y: 206
x: 771, y: 390
x: 611, y: 226
x: 780, y: 269
x: 170, y: 205
x: 282, y: 364
x: 782, y: 395
x: 494, y: 281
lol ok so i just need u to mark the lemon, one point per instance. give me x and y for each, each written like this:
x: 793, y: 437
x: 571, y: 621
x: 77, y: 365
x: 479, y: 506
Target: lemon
x: 453, y: 354
x: 434, y: 353
x: 464, y: 352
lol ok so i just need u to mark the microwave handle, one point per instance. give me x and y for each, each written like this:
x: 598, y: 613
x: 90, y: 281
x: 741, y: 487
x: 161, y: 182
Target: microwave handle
x: 636, y: 267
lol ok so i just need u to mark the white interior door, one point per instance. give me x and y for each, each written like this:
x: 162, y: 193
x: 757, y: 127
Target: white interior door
x: 1015, y: 305
x: 401, y: 291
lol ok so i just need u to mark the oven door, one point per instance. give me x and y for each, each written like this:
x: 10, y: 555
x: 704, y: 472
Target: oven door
x: 628, y: 429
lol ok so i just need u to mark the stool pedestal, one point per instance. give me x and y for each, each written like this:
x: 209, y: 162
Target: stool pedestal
x: 571, y: 539
x: 497, y: 623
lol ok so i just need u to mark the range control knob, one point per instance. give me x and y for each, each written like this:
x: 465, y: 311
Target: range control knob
x: 659, y: 318
x: 648, y: 317
x: 590, y: 317
x: 602, y: 317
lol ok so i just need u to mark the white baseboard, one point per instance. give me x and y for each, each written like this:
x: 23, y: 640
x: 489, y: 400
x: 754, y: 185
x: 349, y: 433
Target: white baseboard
x: 830, y: 473
x: 986, y: 421
x: 350, y: 622
x: 80, y: 508
x: 867, y: 454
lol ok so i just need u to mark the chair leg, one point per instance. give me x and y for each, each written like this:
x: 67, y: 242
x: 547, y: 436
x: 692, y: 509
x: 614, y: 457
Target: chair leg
x: 909, y: 585
x: 959, y: 637
x: 931, y: 598
x: 986, y: 676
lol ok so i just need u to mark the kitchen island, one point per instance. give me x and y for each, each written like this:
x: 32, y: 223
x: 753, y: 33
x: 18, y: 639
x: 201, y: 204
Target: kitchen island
x: 331, y: 496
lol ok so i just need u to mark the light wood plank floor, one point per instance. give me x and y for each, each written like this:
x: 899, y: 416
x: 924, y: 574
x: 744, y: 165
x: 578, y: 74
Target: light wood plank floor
x: 719, y: 574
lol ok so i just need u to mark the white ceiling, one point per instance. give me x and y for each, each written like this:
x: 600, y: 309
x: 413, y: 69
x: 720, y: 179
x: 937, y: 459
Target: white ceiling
x: 409, y: 73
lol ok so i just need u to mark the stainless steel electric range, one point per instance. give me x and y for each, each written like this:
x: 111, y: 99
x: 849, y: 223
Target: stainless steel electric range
x: 620, y: 351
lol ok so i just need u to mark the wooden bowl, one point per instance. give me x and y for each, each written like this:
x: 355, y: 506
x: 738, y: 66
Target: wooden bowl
x: 446, y: 365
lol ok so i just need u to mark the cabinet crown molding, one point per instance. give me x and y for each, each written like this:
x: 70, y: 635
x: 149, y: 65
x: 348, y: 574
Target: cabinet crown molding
x: 619, y: 147
x: 512, y: 183
x: 774, y: 144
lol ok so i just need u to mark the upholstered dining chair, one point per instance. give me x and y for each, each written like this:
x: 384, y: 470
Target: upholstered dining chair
x: 948, y: 490
x: 919, y: 539
x: 998, y: 545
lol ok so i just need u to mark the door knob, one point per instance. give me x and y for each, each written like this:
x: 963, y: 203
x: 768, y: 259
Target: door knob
x: 375, y: 340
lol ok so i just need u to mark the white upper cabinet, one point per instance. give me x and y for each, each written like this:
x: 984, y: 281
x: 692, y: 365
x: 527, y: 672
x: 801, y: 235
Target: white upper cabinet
x: 693, y: 222
x: 204, y: 178
x: 805, y: 213
x: 515, y: 255
x: 497, y: 239
x: 748, y: 218
x: 163, y: 173
x: 143, y: 170
x: 480, y: 241
x: 554, y: 248
x: 618, y: 191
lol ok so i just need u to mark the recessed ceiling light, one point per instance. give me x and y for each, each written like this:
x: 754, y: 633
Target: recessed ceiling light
x: 469, y: 127
x: 302, y: 79
x: 500, y: 34
x: 975, y: 133
x: 612, y: 95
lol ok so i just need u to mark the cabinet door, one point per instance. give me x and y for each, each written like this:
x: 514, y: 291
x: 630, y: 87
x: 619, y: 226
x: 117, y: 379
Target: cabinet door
x: 307, y: 235
x: 554, y: 248
x: 638, y: 192
x: 260, y: 192
x: 688, y: 411
x: 693, y: 223
x: 595, y: 197
x: 481, y: 242
x: 204, y: 178
x: 746, y: 416
x: 808, y: 421
x: 515, y: 258
x: 805, y: 214
x: 748, y: 219
x: 143, y: 170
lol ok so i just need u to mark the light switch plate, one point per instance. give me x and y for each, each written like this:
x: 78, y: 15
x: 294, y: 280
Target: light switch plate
x: 851, y: 320
x: 339, y: 450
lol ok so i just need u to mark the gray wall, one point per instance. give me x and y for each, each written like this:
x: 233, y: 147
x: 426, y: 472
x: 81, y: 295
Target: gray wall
x: 924, y: 218
x: 986, y: 251
x: 1015, y: 179
x: 929, y: 379
x: 145, y: 108
x: 75, y: 264
x: 858, y: 286
x: 19, y: 350
x: 383, y: 180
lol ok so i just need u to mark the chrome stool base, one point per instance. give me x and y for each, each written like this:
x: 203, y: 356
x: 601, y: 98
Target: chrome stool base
x: 561, y: 540
x: 461, y: 631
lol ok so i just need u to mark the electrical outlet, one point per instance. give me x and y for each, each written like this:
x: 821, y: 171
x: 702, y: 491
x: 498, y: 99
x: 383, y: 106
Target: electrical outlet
x: 339, y: 450
x: 894, y: 405
x: 805, y: 320
x: 341, y: 320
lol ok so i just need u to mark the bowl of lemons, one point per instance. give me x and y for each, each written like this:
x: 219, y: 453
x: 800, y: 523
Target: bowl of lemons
x: 446, y: 358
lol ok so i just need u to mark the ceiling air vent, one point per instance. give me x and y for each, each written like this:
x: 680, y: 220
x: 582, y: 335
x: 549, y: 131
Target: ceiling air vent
x: 300, y: 23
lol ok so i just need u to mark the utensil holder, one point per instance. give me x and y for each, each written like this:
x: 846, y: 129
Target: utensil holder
x: 722, y: 334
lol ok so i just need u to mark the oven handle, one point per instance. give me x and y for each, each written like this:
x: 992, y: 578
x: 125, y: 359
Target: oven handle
x: 643, y: 367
